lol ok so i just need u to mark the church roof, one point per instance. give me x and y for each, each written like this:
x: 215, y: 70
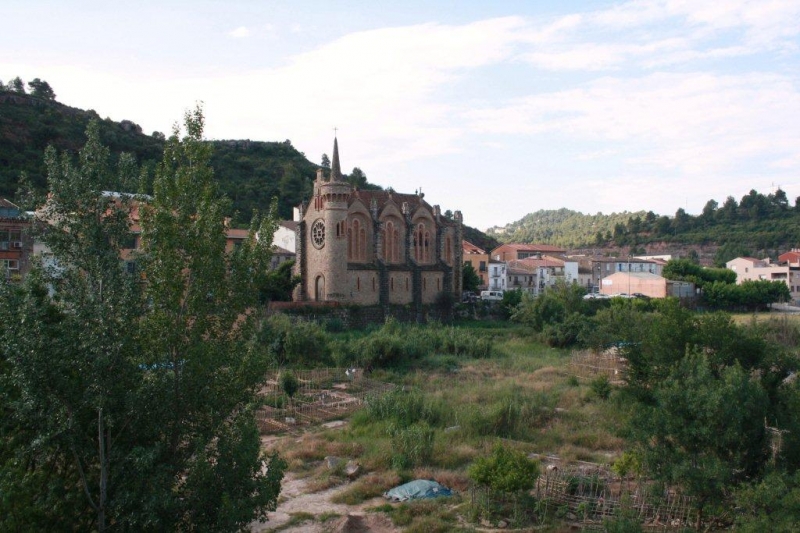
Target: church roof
x: 384, y: 197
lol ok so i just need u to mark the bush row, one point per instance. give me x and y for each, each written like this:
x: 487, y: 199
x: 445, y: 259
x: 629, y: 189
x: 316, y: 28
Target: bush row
x: 300, y: 343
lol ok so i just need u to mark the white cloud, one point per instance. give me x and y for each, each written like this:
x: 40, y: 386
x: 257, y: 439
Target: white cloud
x: 656, y: 33
x: 240, y: 32
x: 377, y: 86
x: 694, y: 122
x: 663, y: 114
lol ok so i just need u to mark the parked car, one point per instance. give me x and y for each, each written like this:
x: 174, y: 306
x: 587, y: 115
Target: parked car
x: 468, y: 297
x: 596, y: 296
x: 491, y: 296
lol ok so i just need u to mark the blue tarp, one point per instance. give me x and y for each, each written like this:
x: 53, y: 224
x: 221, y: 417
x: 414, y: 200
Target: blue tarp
x: 416, y: 490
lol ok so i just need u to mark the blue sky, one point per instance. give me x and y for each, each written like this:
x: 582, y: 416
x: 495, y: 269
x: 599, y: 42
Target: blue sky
x: 494, y: 108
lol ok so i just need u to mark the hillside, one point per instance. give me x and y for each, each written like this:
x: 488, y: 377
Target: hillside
x: 250, y: 173
x: 562, y: 227
x: 758, y: 224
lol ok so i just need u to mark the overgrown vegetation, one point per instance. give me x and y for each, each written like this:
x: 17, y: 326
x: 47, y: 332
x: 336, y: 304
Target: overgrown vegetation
x: 689, y: 416
x: 128, y: 405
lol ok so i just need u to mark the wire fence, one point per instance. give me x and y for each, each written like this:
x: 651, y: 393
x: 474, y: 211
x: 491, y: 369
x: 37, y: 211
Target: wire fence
x: 591, y: 364
x: 323, y: 394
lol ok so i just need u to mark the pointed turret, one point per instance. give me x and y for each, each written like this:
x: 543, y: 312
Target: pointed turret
x: 336, y: 171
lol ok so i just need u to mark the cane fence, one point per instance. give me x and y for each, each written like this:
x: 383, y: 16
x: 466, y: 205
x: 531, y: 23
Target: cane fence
x: 592, y: 496
x: 322, y: 394
x: 591, y: 364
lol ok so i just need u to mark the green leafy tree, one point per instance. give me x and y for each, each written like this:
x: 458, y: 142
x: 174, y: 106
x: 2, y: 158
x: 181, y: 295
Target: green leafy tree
x: 326, y: 162
x: 279, y: 284
x: 41, y: 89
x: 292, y: 188
x: 710, y: 210
x: 17, y: 85
x: 199, y: 326
x: 728, y: 211
x: 704, y: 432
x: 357, y: 178
x: 129, y: 404
x: 553, y: 306
x: 779, y: 201
x: 470, y: 280
x: 728, y: 251
x: 663, y: 225
x: 511, y: 299
x: 70, y: 357
x: 771, y: 504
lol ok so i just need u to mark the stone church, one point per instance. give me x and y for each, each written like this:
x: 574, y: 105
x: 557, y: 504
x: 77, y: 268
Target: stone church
x: 374, y: 247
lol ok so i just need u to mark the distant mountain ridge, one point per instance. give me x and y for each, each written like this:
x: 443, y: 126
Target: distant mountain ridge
x: 763, y: 225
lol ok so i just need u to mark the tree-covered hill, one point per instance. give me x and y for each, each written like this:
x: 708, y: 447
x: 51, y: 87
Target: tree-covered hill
x: 563, y: 227
x: 250, y: 173
x: 758, y: 224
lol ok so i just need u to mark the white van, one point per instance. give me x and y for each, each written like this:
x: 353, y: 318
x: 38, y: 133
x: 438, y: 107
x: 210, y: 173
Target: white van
x: 491, y: 296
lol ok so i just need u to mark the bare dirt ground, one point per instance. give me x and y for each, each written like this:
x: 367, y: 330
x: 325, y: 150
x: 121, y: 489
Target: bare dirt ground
x: 296, y: 498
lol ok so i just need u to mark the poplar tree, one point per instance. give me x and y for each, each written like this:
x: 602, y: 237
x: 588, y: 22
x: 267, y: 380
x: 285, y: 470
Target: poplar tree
x: 127, y: 399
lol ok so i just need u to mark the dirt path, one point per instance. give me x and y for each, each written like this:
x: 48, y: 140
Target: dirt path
x: 295, y: 498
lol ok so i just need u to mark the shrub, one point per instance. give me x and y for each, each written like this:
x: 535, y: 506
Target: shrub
x: 295, y: 342
x: 565, y: 333
x: 601, y: 387
x: 334, y: 325
x: 505, y: 470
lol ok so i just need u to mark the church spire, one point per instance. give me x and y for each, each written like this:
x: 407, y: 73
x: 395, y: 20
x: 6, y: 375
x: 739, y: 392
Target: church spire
x: 336, y: 171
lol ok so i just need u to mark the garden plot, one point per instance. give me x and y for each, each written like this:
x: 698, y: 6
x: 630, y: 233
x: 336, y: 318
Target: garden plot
x: 320, y: 395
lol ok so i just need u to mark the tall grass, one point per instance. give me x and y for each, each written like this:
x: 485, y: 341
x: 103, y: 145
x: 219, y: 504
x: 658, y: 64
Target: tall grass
x: 395, y: 345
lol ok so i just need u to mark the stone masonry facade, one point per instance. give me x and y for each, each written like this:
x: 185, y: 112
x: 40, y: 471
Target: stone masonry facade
x: 375, y: 247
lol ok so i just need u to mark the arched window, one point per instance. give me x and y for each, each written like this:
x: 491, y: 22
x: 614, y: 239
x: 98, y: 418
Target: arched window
x: 426, y: 255
x: 357, y: 241
x: 362, y: 244
x: 419, y: 243
x: 391, y: 242
x: 448, y: 250
x: 396, y: 247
